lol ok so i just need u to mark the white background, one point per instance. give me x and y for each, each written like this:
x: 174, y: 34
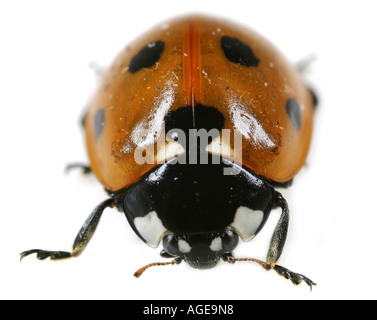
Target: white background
x: 45, y: 81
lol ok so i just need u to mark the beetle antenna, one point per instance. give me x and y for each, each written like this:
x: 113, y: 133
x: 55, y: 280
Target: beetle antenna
x: 265, y: 265
x: 139, y: 272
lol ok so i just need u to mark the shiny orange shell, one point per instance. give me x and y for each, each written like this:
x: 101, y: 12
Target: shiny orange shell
x: 130, y: 107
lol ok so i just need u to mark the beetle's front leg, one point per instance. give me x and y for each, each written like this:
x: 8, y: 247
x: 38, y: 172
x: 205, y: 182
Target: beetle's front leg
x: 276, y: 247
x: 82, y: 239
x: 277, y: 244
x: 280, y: 234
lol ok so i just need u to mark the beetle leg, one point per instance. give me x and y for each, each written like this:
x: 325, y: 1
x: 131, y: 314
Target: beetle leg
x: 295, y: 278
x: 277, y: 244
x: 314, y: 97
x: 280, y: 234
x: 301, y: 67
x: 82, y: 239
x: 98, y: 69
x: 303, y: 64
x: 276, y: 248
x: 85, y: 168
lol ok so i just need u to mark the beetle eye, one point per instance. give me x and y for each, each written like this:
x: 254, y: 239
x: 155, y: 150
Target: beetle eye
x: 230, y: 240
x: 170, y: 243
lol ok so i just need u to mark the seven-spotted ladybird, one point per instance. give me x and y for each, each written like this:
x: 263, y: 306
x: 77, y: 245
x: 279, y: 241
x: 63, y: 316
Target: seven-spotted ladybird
x: 192, y: 127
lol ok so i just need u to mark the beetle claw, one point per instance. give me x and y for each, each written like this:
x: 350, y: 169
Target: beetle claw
x: 296, y: 278
x: 42, y: 254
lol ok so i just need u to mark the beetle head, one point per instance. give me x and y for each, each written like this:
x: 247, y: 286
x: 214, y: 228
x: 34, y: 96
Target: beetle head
x: 203, y: 250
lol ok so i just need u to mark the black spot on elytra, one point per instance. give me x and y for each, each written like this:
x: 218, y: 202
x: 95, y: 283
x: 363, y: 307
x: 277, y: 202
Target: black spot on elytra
x: 294, y: 113
x: 185, y: 118
x: 147, y: 56
x: 99, y: 122
x: 202, y: 117
x: 238, y: 52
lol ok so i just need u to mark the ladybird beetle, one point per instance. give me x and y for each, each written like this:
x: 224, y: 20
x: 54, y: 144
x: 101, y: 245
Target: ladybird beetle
x: 192, y: 128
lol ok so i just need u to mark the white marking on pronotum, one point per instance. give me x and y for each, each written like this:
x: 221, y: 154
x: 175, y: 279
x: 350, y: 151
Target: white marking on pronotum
x: 246, y: 222
x: 220, y: 147
x: 183, y: 246
x: 150, y: 228
x: 216, y: 244
x: 169, y: 150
